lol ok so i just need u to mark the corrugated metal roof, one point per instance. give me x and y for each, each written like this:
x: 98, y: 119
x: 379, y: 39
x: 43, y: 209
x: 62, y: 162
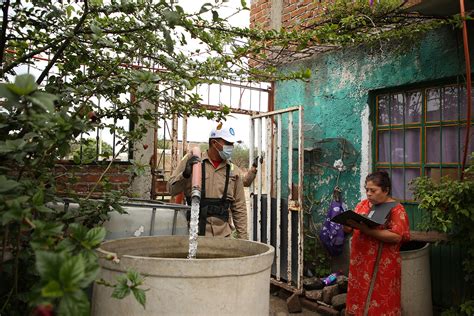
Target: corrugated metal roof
x: 440, y: 7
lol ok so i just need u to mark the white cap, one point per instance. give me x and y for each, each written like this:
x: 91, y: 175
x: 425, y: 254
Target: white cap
x: 225, y: 132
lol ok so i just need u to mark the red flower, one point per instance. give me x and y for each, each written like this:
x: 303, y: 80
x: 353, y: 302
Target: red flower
x: 43, y: 310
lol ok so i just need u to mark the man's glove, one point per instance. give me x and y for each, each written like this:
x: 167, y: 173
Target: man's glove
x: 188, y: 170
x: 256, y: 160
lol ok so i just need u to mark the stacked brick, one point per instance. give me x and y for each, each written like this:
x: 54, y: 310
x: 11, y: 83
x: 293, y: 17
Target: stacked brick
x: 300, y: 13
x: 81, y: 179
x: 294, y: 14
x: 260, y: 14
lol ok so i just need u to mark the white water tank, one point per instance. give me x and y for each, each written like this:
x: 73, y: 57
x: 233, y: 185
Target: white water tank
x: 143, y: 218
x: 146, y: 221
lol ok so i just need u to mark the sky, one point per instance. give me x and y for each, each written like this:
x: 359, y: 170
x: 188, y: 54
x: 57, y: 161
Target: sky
x: 199, y: 128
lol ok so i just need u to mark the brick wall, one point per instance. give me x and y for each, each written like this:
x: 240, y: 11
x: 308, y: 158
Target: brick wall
x: 80, y: 179
x: 300, y: 13
x: 260, y: 14
x: 295, y: 13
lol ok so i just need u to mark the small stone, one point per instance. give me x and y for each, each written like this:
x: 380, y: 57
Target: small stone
x: 315, y: 295
x: 314, y: 283
x: 293, y: 304
x: 329, y: 292
x: 342, y: 281
x: 339, y: 301
x: 324, y: 310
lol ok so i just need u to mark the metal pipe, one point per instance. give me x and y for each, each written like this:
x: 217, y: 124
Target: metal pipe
x: 152, y: 222
x: 299, y: 282
x: 292, y: 109
x: 154, y: 158
x: 175, y: 221
x: 290, y: 184
x: 252, y: 187
x: 268, y: 180
x: 144, y: 204
x: 197, y: 175
x: 259, y: 182
x: 468, y: 85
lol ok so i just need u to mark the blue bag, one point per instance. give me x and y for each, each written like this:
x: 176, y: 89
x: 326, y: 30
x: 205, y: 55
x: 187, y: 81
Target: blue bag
x: 332, y: 234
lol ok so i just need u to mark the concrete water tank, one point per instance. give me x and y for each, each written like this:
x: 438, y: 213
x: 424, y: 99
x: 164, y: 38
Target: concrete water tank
x: 228, y: 277
x: 416, y: 279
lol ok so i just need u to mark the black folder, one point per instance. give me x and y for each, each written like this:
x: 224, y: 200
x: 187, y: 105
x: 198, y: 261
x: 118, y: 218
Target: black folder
x: 378, y: 215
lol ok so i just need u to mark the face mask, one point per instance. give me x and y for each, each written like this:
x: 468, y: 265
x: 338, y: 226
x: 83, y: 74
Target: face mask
x: 226, y: 152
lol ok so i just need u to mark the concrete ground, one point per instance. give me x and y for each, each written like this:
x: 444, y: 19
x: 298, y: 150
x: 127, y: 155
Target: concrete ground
x: 278, y: 308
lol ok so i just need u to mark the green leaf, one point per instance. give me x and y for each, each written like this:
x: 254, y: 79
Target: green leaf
x: 140, y: 296
x: 121, y: 290
x: 6, y: 93
x: 74, y: 303
x: 97, y: 3
x: 48, y: 228
x: 7, y: 185
x: 92, y: 270
x: 44, y: 100
x: 48, y: 264
x: 78, y: 231
x: 205, y: 7
x: 7, y: 147
x: 244, y: 4
x: 72, y: 272
x: 52, y: 289
x: 38, y: 198
x: 95, y: 236
x: 44, y: 209
x: 96, y: 30
x: 69, y: 10
x: 215, y: 16
x: 168, y: 41
x: 24, y: 85
x: 172, y: 17
x: 135, y: 277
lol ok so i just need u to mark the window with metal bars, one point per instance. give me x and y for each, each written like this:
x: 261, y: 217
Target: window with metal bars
x: 421, y: 133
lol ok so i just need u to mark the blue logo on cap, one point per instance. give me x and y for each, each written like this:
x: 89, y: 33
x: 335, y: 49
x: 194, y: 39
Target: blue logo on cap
x: 231, y: 131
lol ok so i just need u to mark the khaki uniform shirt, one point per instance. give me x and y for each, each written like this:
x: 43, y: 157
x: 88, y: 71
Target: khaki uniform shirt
x: 215, y: 182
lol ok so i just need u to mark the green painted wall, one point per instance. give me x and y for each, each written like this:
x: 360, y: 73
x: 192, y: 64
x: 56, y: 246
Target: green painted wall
x: 338, y: 97
x: 339, y: 92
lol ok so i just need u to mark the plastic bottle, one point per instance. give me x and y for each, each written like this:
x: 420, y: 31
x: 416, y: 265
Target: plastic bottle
x: 330, y: 279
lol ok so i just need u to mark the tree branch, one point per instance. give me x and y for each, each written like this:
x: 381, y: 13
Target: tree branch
x: 3, y: 35
x: 28, y: 56
x: 65, y: 43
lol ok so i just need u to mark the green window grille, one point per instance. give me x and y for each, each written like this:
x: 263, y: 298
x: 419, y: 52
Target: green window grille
x: 421, y: 133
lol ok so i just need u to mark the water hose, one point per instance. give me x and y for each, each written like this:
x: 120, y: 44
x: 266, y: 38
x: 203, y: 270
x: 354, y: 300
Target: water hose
x: 196, y: 175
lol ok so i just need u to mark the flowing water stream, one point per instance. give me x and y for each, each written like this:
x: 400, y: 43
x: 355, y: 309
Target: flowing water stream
x: 193, y: 227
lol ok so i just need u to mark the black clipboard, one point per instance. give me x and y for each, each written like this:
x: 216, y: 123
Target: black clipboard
x: 378, y: 215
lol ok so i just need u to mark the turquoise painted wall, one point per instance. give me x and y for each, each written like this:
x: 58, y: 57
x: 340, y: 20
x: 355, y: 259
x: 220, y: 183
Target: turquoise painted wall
x: 339, y: 91
x: 335, y: 99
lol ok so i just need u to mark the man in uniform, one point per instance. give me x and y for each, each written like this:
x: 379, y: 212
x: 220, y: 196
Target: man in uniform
x: 222, y: 190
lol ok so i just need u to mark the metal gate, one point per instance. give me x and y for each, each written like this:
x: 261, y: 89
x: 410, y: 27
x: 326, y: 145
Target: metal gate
x: 277, y: 193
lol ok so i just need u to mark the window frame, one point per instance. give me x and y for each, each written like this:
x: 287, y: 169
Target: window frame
x: 423, y: 125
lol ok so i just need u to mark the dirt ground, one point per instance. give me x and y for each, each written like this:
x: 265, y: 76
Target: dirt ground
x: 278, y: 308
